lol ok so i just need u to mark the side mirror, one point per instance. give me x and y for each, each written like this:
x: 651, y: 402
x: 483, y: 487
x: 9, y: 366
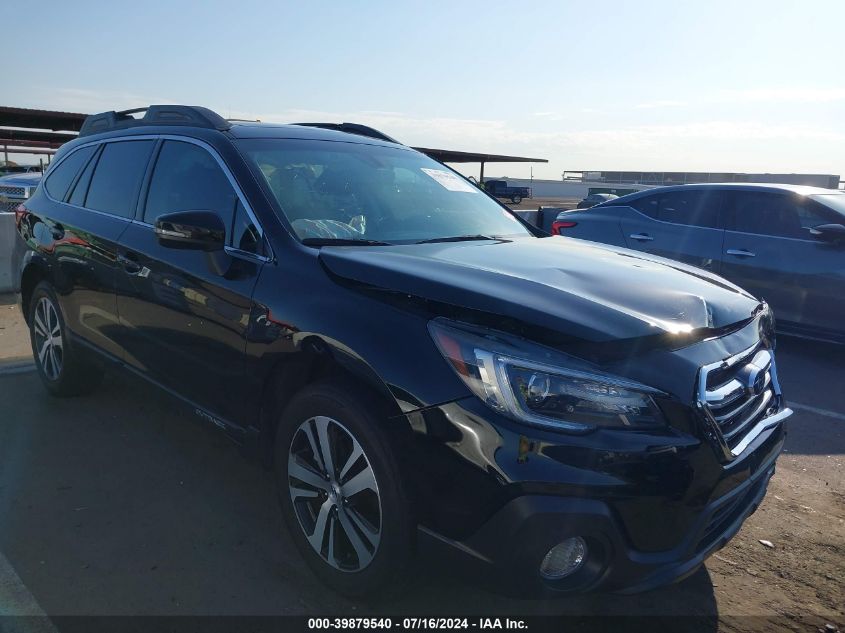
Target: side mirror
x: 192, y: 230
x: 829, y: 232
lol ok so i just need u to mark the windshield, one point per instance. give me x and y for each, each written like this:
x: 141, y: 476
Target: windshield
x: 835, y: 201
x: 331, y: 190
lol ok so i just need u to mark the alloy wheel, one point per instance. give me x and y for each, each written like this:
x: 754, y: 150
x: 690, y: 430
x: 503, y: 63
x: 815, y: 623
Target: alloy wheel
x: 334, y: 493
x: 48, y: 338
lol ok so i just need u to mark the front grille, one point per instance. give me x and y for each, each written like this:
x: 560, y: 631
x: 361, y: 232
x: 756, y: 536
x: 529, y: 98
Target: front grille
x: 739, y: 392
x: 11, y: 197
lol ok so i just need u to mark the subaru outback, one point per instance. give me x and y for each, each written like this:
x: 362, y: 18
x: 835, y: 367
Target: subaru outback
x: 420, y: 368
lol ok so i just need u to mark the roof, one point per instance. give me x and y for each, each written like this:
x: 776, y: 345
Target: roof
x: 804, y: 190
x: 257, y: 130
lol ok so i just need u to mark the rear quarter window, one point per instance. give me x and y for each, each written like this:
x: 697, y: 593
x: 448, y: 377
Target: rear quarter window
x: 695, y: 207
x: 60, y: 178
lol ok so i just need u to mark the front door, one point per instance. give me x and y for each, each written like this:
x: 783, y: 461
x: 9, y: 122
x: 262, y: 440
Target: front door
x: 770, y: 252
x: 185, y: 312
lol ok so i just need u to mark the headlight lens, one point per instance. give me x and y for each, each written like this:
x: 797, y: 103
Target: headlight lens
x: 525, y: 383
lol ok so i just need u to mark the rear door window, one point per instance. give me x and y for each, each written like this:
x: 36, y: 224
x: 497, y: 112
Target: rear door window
x: 774, y: 214
x: 117, y: 177
x: 188, y: 178
x: 60, y: 179
x: 695, y: 207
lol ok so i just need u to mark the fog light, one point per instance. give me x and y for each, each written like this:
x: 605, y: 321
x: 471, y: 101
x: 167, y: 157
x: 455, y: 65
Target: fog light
x: 564, y: 559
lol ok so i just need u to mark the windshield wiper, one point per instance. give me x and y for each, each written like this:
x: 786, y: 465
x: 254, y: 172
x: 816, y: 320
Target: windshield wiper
x: 341, y: 241
x: 458, y: 238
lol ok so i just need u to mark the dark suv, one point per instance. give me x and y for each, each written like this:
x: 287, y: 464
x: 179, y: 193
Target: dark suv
x: 420, y: 367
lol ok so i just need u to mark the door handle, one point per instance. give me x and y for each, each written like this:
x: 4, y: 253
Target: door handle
x: 740, y: 252
x: 641, y: 237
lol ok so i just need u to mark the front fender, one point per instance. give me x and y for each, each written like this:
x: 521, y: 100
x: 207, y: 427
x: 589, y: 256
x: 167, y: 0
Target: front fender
x: 384, y: 346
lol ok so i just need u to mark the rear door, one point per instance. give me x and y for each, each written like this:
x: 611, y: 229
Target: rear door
x: 683, y: 225
x: 98, y: 187
x: 185, y: 312
x: 769, y: 251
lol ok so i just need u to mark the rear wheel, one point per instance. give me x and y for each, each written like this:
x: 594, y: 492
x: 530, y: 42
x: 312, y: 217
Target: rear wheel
x: 62, y: 367
x: 516, y: 199
x: 341, y: 493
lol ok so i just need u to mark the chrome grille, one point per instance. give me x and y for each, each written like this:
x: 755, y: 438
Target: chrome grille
x: 740, y: 396
x: 11, y: 197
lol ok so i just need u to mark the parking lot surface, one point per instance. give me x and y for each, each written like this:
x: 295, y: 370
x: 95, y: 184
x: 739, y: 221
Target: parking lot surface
x: 122, y: 503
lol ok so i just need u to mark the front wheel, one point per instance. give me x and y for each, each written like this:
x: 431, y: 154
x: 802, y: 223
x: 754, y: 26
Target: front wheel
x: 341, y: 492
x: 63, y: 369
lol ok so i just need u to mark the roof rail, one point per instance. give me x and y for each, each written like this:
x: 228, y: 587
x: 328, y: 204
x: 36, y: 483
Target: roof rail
x: 195, y: 116
x: 353, y: 128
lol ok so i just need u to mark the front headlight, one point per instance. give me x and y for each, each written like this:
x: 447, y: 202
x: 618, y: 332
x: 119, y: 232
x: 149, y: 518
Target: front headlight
x: 532, y: 384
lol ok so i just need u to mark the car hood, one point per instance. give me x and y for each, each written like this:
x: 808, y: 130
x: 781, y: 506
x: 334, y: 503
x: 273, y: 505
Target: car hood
x: 581, y: 289
x: 20, y: 180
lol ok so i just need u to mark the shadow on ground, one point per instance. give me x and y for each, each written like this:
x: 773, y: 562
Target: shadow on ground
x: 122, y: 503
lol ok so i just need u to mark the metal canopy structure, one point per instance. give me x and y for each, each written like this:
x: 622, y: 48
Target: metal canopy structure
x: 28, y: 131
x: 41, y: 119
x: 451, y: 156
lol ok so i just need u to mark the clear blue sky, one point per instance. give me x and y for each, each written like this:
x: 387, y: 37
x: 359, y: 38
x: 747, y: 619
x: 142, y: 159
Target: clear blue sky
x: 737, y: 86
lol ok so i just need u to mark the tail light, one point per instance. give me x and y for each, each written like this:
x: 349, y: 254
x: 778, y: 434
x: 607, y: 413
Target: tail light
x: 20, y: 212
x: 557, y: 225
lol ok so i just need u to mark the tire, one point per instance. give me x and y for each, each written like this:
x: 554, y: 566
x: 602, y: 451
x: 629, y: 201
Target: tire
x: 516, y: 199
x: 64, y: 370
x: 375, y: 560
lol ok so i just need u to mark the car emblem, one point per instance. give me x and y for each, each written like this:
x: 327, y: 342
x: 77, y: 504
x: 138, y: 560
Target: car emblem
x: 753, y: 378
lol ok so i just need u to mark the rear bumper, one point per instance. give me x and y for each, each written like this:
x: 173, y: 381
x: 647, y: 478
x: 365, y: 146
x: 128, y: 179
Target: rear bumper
x: 508, y: 549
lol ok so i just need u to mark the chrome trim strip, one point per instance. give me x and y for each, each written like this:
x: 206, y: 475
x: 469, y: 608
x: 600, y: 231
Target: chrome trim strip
x: 730, y: 414
x: 764, y: 360
x: 758, y: 409
x: 762, y: 425
x: 236, y: 252
x: 722, y: 364
x: 722, y: 395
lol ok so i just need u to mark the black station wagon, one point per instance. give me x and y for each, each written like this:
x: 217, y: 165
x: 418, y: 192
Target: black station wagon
x: 420, y: 368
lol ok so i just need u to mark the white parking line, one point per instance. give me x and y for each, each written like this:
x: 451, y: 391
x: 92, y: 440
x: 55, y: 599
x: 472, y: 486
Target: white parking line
x: 17, y: 601
x: 817, y: 411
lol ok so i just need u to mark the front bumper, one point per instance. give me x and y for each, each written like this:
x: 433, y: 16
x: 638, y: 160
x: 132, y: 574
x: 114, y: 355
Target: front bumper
x: 686, y: 522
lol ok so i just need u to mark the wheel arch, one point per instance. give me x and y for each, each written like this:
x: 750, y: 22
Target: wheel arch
x: 318, y: 359
x: 34, y: 270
